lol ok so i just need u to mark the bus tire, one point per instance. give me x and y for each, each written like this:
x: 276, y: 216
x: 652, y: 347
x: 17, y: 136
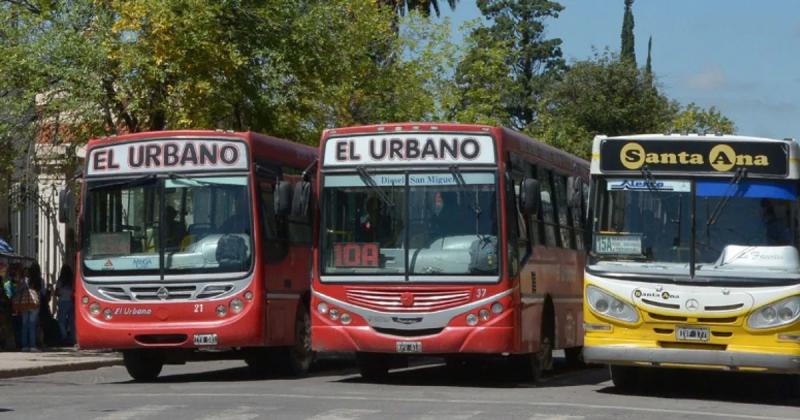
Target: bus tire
x: 296, y: 359
x: 625, y: 378
x: 574, y: 356
x: 258, y: 361
x: 143, y: 365
x: 373, y: 366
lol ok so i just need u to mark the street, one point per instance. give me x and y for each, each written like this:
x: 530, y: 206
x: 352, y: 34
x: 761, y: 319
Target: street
x: 227, y: 390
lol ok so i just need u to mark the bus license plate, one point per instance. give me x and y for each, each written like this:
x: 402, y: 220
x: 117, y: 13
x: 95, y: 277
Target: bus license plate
x: 409, y: 346
x: 692, y: 334
x: 205, y: 339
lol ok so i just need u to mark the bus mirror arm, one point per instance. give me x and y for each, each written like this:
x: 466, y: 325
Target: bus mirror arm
x: 301, y: 201
x: 530, y: 196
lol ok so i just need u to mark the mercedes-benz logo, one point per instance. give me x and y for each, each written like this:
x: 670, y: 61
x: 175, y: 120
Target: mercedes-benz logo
x: 692, y: 304
x: 162, y: 293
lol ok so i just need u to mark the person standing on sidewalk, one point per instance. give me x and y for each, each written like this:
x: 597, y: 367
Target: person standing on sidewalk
x: 26, y: 302
x: 66, y: 305
x: 6, y: 325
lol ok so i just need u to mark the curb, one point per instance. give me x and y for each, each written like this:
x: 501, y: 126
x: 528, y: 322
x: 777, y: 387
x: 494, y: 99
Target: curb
x: 64, y: 367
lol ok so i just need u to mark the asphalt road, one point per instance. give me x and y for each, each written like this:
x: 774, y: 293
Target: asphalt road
x: 334, y: 391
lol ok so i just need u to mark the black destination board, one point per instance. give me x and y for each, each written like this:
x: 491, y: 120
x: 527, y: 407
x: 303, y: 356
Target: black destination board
x: 758, y: 157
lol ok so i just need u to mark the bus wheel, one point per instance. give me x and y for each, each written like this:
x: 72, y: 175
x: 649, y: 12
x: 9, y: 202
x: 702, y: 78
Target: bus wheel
x: 574, y: 356
x: 296, y: 360
x: 300, y: 354
x: 143, y: 365
x: 373, y: 366
x: 530, y: 366
x: 258, y: 361
x: 625, y: 378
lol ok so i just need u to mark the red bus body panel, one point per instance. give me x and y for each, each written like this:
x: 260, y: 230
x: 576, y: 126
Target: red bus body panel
x: 264, y: 321
x: 549, y: 274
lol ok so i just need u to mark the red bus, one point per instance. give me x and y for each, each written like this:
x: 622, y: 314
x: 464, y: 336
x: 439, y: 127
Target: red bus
x: 447, y: 239
x: 188, y: 243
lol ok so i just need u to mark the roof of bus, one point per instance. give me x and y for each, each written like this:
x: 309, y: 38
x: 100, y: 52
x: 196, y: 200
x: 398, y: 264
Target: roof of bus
x: 405, y: 126
x: 692, y: 136
x: 276, y: 148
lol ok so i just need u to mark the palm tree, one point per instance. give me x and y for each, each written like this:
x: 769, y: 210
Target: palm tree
x: 423, y: 6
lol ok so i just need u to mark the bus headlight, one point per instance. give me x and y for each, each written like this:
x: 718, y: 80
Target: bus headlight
x: 472, y: 320
x: 776, y: 314
x: 605, y: 304
x: 237, y: 305
x: 221, y: 311
x: 497, y: 307
x: 322, y: 308
x: 94, y: 309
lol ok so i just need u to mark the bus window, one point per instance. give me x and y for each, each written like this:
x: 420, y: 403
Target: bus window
x: 562, y: 210
x: 548, y: 212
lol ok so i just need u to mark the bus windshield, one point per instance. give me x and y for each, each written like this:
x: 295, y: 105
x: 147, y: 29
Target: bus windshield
x: 199, y: 224
x: 743, y: 228
x: 414, y: 226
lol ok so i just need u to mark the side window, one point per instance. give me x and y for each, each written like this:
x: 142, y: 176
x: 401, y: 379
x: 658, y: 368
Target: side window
x: 548, y: 210
x: 299, y: 230
x: 562, y: 210
x: 513, y: 234
x: 578, y: 218
x: 273, y: 242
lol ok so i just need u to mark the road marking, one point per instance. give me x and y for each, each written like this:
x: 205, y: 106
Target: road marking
x: 539, y: 416
x: 449, y: 415
x: 137, y: 412
x: 372, y: 398
x: 239, y: 413
x: 344, y: 414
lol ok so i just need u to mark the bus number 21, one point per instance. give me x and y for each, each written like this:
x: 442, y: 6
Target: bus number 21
x: 198, y: 308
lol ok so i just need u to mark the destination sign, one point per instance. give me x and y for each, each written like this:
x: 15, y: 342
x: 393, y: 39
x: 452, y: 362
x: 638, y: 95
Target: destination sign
x: 405, y: 148
x: 167, y: 155
x: 761, y: 157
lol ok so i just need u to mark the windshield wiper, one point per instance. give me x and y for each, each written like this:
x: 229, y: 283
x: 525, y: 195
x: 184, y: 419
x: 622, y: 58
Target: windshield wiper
x: 649, y: 180
x: 737, y: 178
x: 462, y: 187
x: 370, y: 182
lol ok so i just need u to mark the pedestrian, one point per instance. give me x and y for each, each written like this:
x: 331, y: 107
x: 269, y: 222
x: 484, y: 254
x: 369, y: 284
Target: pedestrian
x: 65, y: 291
x: 6, y: 325
x: 26, y: 302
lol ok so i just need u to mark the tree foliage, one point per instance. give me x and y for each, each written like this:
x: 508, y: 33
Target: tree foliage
x: 627, y: 48
x: 515, y: 39
x: 602, y: 95
x: 694, y: 119
x: 94, y: 67
x: 425, y: 7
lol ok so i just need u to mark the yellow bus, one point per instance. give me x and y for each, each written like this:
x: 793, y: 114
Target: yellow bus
x: 694, y: 259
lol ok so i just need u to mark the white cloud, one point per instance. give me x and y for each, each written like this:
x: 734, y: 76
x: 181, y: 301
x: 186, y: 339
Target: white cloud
x: 711, y: 78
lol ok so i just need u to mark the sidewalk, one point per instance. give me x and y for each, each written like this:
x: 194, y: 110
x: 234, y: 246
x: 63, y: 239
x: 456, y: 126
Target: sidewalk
x: 14, y: 364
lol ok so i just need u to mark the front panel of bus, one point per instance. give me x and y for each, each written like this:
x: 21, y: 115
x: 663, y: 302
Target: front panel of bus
x: 695, y: 259
x: 409, y: 256
x: 167, y: 244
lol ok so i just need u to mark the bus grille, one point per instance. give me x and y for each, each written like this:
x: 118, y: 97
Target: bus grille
x: 408, y: 301
x: 164, y: 292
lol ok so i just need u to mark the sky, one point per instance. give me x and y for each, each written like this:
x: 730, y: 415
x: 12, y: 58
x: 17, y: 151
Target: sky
x: 741, y: 56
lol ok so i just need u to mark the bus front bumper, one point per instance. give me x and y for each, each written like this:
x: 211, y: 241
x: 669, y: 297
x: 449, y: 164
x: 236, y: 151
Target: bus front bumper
x: 708, y: 359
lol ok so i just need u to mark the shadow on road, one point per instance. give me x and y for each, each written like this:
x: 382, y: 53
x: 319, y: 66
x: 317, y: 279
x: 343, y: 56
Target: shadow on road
x: 737, y: 387
x: 487, y: 374
x: 329, y: 366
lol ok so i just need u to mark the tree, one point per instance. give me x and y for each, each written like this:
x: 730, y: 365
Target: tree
x: 422, y: 6
x: 694, y: 119
x: 627, y: 50
x: 531, y: 60
x: 648, y: 67
x: 602, y: 95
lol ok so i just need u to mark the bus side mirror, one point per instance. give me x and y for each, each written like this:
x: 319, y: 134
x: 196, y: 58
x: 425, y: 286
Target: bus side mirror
x: 530, y: 196
x: 301, y: 200
x: 574, y: 191
x: 283, y: 198
x: 65, y: 205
